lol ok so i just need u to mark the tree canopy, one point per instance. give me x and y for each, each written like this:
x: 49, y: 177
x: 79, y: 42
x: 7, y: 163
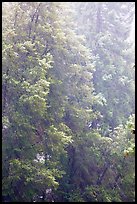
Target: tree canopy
x: 68, y: 109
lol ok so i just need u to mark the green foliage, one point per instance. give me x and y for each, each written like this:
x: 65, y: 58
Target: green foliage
x: 26, y: 175
x: 75, y: 197
x: 99, y: 194
x: 107, y: 36
x: 67, y: 102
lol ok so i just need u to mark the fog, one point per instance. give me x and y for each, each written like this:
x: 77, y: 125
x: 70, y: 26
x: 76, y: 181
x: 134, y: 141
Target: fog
x: 68, y: 102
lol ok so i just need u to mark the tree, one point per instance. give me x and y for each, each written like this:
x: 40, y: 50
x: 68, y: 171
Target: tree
x: 25, y: 89
x: 43, y: 104
x: 107, y: 37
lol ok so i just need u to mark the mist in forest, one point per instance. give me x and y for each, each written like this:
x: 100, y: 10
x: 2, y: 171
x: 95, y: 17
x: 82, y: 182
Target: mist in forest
x: 68, y: 102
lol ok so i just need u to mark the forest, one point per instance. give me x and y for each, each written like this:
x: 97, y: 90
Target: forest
x: 68, y: 102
